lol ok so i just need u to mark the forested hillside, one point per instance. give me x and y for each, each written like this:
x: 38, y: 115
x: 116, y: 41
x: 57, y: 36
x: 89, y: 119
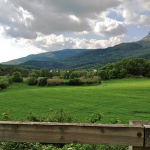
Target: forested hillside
x: 89, y: 59
x: 54, y: 55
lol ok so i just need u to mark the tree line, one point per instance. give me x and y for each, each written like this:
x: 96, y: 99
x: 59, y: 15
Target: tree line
x: 137, y: 67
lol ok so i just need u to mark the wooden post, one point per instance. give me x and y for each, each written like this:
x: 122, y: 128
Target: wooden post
x: 147, y: 133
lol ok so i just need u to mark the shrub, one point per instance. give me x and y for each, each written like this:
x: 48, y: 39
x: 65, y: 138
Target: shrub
x: 54, y: 82
x: 95, y: 79
x: 10, y: 80
x: 32, y: 81
x: 95, y: 117
x: 33, y: 74
x: 42, y: 81
x: 17, y: 77
x: 6, y: 115
x: 75, y: 81
x: 59, y: 116
x: 56, y: 77
x: 115, y: 121
x: 88, y: 81
x: 3, y: 83
x: 62, y: 116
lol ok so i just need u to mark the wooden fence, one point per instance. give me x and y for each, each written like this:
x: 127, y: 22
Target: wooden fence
x: 137, y: 134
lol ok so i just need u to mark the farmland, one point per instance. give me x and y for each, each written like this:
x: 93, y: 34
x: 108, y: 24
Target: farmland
x: 126, y: 99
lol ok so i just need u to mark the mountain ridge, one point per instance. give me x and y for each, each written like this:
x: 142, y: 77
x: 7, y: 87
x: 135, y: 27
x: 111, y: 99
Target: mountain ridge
x: 46, y: 56
x: 99, y: 57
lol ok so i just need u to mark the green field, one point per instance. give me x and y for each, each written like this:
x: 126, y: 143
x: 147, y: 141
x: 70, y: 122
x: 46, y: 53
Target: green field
x: 126, y: 99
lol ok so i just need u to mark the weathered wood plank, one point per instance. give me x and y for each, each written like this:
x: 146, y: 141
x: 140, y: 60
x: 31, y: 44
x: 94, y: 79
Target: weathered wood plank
x: 72, y: 133
x: 139, y: 122
x: 143, y: 123
x: 147, y: 135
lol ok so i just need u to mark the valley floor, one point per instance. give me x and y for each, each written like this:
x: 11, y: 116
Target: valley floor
x: 126, y: 99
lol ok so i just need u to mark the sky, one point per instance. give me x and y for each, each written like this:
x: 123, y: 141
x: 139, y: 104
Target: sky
x: 37, y: 26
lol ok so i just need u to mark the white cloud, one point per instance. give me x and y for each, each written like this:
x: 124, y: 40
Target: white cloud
x: 13, y: 49
x: 108, y: 27
x: 1, y: 30
x: 135, y: 12
x: 54, y: 42
x: 27, y: 18
x: 15, y: 20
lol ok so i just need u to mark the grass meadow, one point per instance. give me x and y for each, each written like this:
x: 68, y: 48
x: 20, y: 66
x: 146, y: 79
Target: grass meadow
x: 126, y: 99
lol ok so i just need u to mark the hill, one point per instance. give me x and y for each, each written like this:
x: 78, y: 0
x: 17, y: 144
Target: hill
x: 88, y: 59
x: 47, y: 56
x: 98, y: 57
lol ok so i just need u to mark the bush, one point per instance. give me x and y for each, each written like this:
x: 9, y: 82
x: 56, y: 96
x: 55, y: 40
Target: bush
x: 32, y: 81
x: 88, y: 81
x: 95, y: 117
x: 59, y: 116
x: 3, y: 84
x: 75, y: 81
x: 95, y: 79
x: 42, y: 81
x: 17, y: 77
x: 56, y: 77
x: 6, y: 116
x: 10, y: 80
x: 33, y: 74
x: 54, y: 82
x: 62, y: 116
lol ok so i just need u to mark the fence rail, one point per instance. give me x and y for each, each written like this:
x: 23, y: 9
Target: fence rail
x: 136, y: 134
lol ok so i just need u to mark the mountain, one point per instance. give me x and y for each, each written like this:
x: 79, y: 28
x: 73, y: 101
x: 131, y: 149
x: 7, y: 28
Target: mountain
x: 147, y: 38
x: 47, y: 56
x: 145, y: 42
x: 97, y: 57
x: 101, y: 56
x: 90, y: 59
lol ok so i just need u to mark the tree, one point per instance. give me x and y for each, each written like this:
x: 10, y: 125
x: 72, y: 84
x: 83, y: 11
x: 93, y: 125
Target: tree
x: 17, y: 77
x: 64, y: 74
x: 102, y: 74
x: 112, y: 74
x: 1, y: 71
x: 77, y: 74
x: 44, y: 72
x: 35, y: 73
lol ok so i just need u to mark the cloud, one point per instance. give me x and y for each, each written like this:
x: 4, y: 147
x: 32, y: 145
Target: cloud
x: 135, y: 12
x: 84, y: 8
x: 48, y: 17
x: 54, y: 42
x: 108, y: 27
x: 15, y: 21
x: 13, y: 49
